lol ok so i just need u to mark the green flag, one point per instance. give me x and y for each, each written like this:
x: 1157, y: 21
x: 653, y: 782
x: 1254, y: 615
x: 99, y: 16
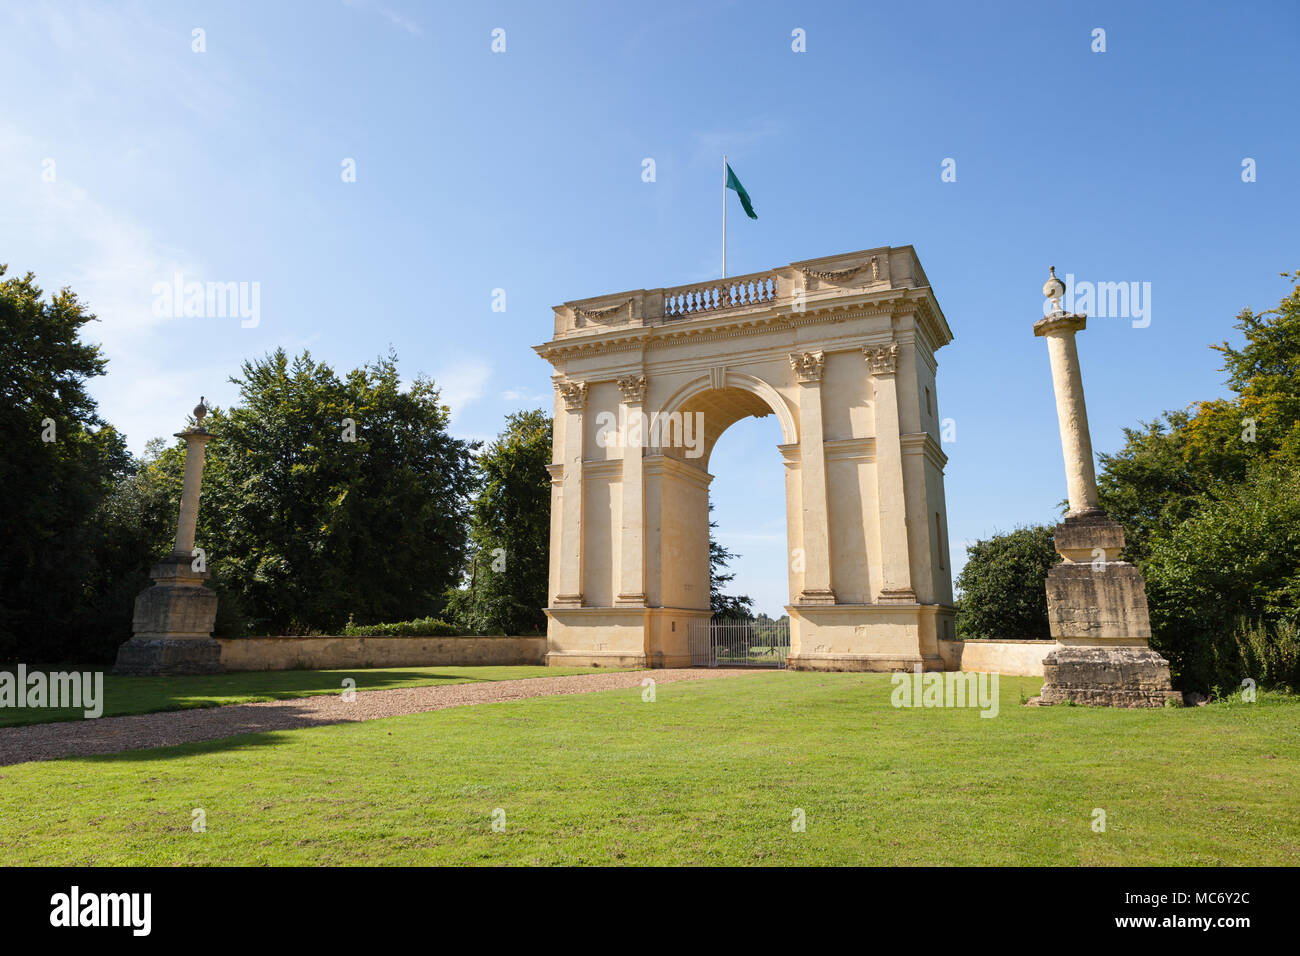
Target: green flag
x: 734, y: 183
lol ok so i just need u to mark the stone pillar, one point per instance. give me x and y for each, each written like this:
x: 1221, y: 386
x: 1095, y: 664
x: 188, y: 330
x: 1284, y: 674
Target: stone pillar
x: 808, y: 368
x: 895, y: 556
x: 196, y: 440
x: 571, y: 531
x: 631, y: 583
x: 1071, y: 413
x: 1096, y: 603
x: 172, y: 626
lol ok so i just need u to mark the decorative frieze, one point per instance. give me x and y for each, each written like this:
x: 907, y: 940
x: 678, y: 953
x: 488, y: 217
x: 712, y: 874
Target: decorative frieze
x: 595, y: 315
x: 882, y: 360
x: 841, y: 274
x: 633, y: 388
x: 808, y: 366
x: 574, y: 394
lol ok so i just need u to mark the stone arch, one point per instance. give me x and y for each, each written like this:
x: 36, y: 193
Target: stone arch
x: 726, y: 399
x: 841, y: 350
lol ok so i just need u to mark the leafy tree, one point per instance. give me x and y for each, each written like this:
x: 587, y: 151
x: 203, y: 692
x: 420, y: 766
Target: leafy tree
x: 510, y: 531
x: 59, y: 461
x: 327, y: 498
x: 1235, y: 561
x: 1004, y: 585
x: 720, y: 558
x: 1151, y: 485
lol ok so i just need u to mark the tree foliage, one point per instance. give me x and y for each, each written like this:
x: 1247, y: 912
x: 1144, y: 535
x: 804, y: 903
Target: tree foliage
x: 1208, y: 498
x: 328, y: 497
x: 505, y: 587
x: 58, y: 464
x: 1003, y: 586
x: 720, y: 558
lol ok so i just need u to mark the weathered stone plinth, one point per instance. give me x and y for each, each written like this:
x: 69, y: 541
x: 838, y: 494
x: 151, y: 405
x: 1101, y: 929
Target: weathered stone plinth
x: 1097, y: 611
x: 172, y: 628
x: 1107, y: 677
x: 161, y: 657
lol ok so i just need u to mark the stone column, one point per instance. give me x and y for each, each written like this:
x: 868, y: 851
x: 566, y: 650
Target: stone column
x: 571, y: 531
x: 196, y: 440
x: 808, y: 368
x: 1096, y: 603
x: 172, y: 626
x: 895, y: 555
x: 1071, y: 413
x: 631, y: 583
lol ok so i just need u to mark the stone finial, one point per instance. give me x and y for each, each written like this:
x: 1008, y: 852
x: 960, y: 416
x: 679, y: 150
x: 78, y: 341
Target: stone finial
x: 882, y: 360
x: 200, y: 412
x: 808, y: 365
x: 1053, y: 290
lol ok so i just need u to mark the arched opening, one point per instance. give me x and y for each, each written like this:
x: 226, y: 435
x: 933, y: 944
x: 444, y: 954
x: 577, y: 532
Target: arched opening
x: 739, y: 525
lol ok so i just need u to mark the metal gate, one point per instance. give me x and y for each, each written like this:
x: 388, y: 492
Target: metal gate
x: 739, y: 642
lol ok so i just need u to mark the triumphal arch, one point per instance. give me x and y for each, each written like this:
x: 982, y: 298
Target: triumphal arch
x: 841, y: 351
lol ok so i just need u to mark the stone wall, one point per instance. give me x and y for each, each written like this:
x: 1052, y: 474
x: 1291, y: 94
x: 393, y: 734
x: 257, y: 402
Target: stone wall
x: 1013, y: 658
x: 330, y: 653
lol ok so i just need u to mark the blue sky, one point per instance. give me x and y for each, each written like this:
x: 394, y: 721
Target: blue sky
x: 522, y: 171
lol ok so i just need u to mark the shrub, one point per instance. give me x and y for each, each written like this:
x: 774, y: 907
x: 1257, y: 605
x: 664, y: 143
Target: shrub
x: 1004, y: 585
x: 1236, y: 559
x: 1269, y: 655
x: 421, y: 627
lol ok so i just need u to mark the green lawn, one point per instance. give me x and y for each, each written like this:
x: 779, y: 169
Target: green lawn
x: 141, y: 695
x: 709, y: 773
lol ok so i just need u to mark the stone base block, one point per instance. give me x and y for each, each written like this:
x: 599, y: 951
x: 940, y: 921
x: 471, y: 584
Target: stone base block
x: 1107, y: 677
x: 166, y: 656
x: 1097, y: 602
x: 175, y: 611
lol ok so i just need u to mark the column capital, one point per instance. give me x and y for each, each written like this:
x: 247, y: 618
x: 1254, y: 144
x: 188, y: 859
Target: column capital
x: 633, y: 388
x: 882, y: 359
x: 574, y: 394
x: 808, y: 366
x: 1061, y: 322
x: 200, y: 435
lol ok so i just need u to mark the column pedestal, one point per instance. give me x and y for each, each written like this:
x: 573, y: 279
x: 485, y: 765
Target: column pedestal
x: 172, y: 625
x: 1097, y: 611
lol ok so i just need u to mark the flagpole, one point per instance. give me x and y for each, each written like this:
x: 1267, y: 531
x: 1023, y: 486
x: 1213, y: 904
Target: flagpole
x: 724, y: 215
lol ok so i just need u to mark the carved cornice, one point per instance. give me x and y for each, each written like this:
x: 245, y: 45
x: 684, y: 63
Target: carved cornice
x: 850, y: 449
x: 633, y: 388
x: 808, y: 366
x: 574, y: 394
x: 882, y: 360
x: 666, y: 335
x: 923, y: 443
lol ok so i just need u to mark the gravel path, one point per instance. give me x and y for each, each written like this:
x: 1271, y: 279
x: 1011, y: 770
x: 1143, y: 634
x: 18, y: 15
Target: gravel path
x: 106, y: 735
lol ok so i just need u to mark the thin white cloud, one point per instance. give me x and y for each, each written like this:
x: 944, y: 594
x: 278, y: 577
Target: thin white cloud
x: 523, y: 395
x: 462, y: 383
x: 392, y: 16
